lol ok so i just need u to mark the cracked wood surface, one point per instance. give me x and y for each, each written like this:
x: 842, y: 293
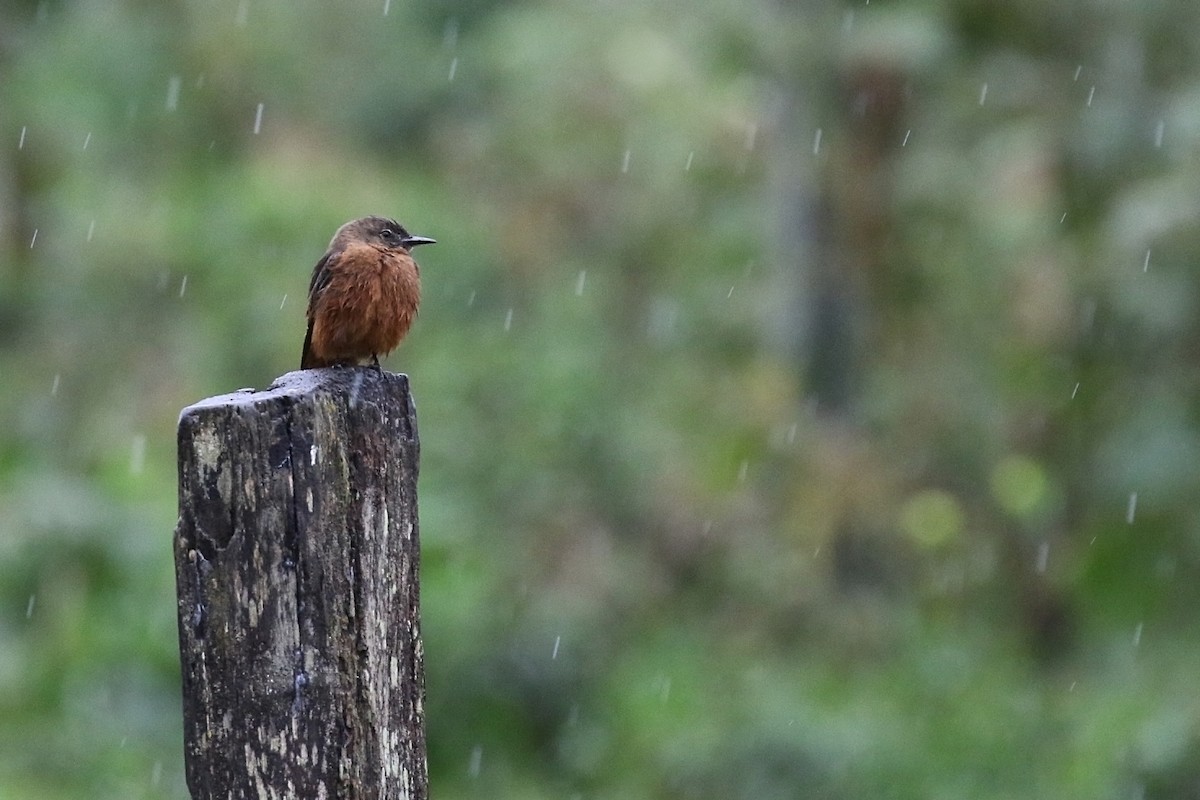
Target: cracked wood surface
x: 296, y: 562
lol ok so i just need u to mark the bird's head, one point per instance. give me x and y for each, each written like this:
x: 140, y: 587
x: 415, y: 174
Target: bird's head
x: 378, y: 231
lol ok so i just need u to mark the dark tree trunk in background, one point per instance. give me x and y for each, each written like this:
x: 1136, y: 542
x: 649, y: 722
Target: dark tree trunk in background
x: 296, y: 559
x: 856, y: 274
x: 838, y: 226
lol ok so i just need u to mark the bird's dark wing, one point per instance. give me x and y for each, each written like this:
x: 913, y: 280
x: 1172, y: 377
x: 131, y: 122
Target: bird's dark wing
x: 320, y: 279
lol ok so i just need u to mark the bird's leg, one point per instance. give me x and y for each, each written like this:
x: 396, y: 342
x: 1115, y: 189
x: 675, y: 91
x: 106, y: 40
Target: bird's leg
x: 375, y: 362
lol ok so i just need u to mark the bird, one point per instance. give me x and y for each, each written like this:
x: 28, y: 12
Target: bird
x: 363, y: 295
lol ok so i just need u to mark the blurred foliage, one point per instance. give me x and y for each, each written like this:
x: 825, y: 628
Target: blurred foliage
x: 807, y: 390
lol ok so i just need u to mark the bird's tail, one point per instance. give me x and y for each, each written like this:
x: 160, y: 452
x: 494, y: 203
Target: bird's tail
x: 307, y: 359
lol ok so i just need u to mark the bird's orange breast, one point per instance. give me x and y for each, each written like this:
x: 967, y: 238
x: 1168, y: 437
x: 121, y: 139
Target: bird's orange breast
x: 368, y: 305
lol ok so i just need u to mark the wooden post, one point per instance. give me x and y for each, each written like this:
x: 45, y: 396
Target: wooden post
x: 296, y: 563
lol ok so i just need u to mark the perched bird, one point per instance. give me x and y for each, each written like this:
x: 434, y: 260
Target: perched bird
x: 363, y: 295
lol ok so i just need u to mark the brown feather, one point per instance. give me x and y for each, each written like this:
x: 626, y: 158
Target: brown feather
x: 366, y: 306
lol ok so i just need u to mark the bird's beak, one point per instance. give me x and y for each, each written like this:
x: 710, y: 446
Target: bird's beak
x: 412, y: 241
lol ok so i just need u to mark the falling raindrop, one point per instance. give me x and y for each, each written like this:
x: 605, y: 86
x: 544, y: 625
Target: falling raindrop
x: 476, y: 762
x: 87, y: 140
x: 29, y: 606
x: 283, y: 301
x: 817, y: 142
x: 33, y: 241
x: 729, y: 294
x: 355, y: 388
x: 21, y: 141
x: 54, y: 384
x: 173, y: 86
x: 1146, y: 263
x: 625, y: 161
x: 387, y: 6
x: 579, y: 282
x: 1137, y: 635
x: 791, y: 434
x: 137, y: 454
x: 508, y: 320
x: 258, y: 119
x: 471, y: 299
x: 907, y: 133
x: 1091, y: 94
x: 1131, y: 508
x: 554, y: 653
x: 156, y: 774
x: 743, y: 469
x: 453, y: 67
x: 1043, y: 556
x: 1075, y: 391
x: 687, y: 167
x: 91, y: 229
x: 1159, y: 130
x: 983, y: 94
x: 450, y: 33
x: 1078, y: 70
x: 1063, y: 218
x: 183, y: 285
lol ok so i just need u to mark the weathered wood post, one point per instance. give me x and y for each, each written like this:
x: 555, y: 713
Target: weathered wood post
x: 296, y: 563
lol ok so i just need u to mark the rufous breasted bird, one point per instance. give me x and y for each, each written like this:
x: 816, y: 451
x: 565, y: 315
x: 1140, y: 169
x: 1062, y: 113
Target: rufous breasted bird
x: 363, y: 295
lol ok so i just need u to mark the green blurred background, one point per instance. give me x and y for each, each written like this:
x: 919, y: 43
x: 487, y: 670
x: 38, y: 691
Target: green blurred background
x: 807, y: 391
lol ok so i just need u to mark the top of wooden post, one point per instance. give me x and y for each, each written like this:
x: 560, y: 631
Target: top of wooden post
x: 346, y: 381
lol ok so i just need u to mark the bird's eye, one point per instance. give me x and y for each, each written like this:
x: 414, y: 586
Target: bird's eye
x: 387, y: 233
